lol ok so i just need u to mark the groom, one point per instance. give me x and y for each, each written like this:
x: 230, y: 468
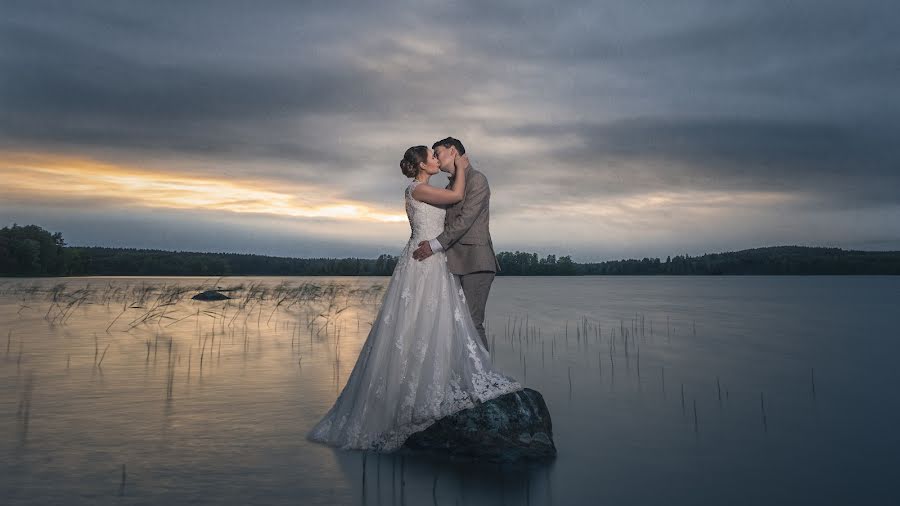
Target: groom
x: 466, y: 237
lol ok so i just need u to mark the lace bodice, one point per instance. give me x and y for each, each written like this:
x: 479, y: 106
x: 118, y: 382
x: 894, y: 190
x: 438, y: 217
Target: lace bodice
x: 425, y: 220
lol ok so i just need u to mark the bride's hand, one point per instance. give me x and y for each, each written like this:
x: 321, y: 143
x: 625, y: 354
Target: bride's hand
x: 461, y: 163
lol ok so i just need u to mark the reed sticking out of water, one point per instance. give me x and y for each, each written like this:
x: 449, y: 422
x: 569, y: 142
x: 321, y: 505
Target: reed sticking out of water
x: 570, y: 382
x: 639, y: 365
x: 8, y: 340
x: 762, y: 407
x: 434, y: 489
x: 719, y: 389
x: 612, y: 364
x: 170, y: 380
x: 203, y: 352
x: 68, y: 359
x: 122, y: 485
x: 696, y: 426
x: 364, y: 455
x: 101, y: 356
x: 124, y: 308
x: 96, y: 348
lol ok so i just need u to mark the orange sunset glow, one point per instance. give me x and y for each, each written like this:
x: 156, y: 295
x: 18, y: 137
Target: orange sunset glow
x: 31, y: 176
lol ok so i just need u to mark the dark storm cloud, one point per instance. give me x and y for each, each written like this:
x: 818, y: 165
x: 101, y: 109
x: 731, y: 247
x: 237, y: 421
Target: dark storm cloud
x: 72, y: 89
x: 763, y: 96
x: 210, y: 76
x: 845, y: 163
x: 694, y: 40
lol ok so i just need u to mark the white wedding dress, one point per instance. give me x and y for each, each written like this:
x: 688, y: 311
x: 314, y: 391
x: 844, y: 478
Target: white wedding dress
x: 423, y: 358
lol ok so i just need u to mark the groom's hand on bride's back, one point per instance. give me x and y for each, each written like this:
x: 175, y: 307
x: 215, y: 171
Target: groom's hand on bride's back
x: 423, y: 251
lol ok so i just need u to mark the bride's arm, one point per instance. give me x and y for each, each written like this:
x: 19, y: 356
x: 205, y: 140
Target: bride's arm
x: 441, y: 196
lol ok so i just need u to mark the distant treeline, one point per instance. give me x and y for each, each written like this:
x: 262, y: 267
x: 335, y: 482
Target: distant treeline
x: 768, y: 261
x: 32, y: 251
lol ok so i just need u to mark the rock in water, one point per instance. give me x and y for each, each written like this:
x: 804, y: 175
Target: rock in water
x: 210, y: 295
x: 511, y: 427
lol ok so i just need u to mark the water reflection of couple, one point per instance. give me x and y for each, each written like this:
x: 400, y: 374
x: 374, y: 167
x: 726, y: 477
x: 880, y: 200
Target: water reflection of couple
x: 426, y: 355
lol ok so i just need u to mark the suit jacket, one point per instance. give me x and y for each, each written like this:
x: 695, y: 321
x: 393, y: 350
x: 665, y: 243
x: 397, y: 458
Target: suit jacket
x: 467, y: 237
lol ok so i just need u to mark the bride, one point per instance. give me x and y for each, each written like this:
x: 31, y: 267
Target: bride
x: 423, y: 358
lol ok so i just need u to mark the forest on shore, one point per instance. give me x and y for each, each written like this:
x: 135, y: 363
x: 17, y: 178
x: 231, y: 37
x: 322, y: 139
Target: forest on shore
x: 30, y: 250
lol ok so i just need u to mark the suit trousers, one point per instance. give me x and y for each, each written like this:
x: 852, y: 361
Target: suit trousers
x: 476, y: 286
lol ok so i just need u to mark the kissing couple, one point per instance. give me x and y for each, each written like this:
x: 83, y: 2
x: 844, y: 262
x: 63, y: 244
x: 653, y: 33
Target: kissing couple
x: 426, y: 356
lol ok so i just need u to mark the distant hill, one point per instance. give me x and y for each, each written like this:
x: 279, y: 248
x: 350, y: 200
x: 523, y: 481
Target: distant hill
x: 32, y: 251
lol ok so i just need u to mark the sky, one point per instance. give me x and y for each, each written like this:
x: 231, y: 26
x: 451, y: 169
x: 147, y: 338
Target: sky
x: 606, y: 130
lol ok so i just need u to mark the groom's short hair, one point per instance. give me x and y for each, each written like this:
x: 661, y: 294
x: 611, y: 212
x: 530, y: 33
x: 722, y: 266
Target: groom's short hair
x: 450, y: 142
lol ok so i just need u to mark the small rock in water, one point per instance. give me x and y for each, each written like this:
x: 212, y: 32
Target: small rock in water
x: 210, y: 295
x: 511, y: 427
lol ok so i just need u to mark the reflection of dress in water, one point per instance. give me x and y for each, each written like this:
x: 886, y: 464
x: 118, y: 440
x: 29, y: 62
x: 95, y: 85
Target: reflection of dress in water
x: 423, y: 358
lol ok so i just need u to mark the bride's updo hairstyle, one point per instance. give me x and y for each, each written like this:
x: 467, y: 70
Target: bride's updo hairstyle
x: 411, y: 160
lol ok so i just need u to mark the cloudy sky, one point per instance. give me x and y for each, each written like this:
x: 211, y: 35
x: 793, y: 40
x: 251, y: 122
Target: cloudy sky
x: 606, y: 129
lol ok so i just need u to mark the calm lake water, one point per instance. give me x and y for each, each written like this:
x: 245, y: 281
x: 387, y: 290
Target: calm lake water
x: 662, y: 390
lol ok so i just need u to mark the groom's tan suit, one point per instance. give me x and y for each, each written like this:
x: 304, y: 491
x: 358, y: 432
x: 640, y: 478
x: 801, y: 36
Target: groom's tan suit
x: 467, y: 242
